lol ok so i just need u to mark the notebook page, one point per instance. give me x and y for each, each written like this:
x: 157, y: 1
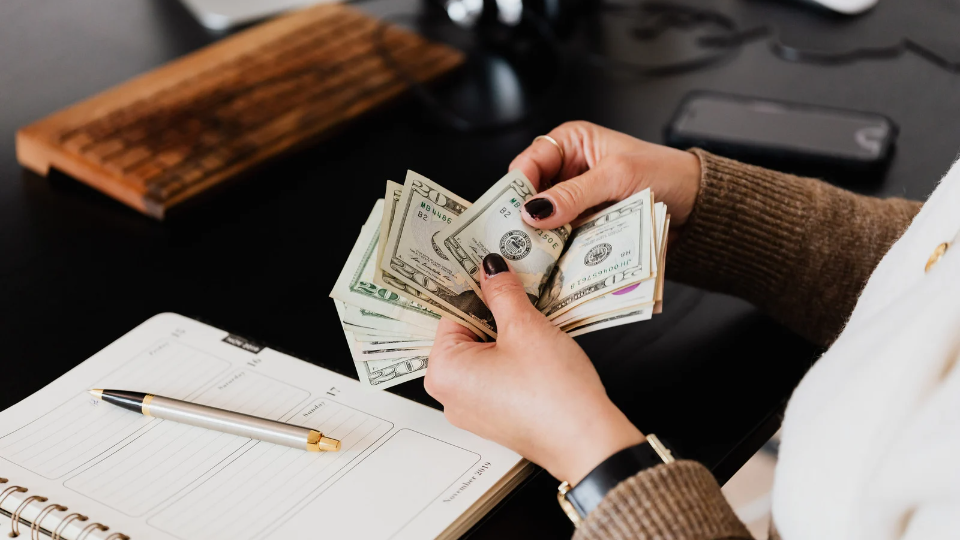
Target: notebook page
x: 402, y: 472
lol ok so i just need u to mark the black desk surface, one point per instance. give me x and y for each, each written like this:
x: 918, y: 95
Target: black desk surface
x: 78, y: 270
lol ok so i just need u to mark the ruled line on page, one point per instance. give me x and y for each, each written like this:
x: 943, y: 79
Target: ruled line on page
x: 170, y: 456
x: 82, y: 428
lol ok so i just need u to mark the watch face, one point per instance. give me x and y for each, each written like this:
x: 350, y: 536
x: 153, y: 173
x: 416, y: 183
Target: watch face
x: 568, y: 508
x: 664, y: 453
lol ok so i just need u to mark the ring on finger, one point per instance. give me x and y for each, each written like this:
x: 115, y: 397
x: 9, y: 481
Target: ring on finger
x: 554, y: 142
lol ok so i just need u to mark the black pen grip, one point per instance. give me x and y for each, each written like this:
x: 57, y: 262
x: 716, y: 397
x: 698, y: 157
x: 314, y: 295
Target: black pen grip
x: 132, y: 401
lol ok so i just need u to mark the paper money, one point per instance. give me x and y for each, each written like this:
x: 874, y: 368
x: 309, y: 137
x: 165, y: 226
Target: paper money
x: 376, y: 322
x: 609, y: 321
x: 360, y: 353
x: 386, y: 280
x: 359, y: 320
x: 355, y: 285
x: 393, y: 345
x: 658, y: 307
x: 413, y: 257
x: 390, y: 355
x: 494, y: 224
x: 390, y: 200
x: 376, y: 335
x: 373, y: 334
x: 608, y: 251
x: 369, y: 356
x: 418, y: 258
x: 638, y: 294
x: 382, y: 374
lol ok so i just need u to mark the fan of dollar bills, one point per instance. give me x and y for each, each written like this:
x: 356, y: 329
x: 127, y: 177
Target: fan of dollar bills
x: 419, y: 255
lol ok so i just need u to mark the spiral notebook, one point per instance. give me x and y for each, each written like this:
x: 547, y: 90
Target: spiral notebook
x: 79, y: 469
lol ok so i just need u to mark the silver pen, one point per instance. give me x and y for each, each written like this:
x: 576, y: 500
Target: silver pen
x: 233, y: 423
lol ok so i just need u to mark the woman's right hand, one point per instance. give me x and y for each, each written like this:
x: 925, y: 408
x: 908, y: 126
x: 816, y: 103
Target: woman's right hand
x: 603, y: 166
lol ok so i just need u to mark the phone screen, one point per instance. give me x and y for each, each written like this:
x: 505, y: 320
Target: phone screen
x: 776, y: 125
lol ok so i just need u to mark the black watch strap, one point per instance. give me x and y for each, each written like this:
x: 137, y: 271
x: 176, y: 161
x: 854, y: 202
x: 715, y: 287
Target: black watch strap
x: 615, y: 469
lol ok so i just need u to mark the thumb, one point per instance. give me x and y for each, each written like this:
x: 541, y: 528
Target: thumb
x: 503, y: 293
x: 562, y: 203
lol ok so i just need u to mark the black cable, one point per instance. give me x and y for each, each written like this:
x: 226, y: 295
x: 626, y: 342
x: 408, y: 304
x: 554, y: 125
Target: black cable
x: 906, y: 45
x: 655, y: 18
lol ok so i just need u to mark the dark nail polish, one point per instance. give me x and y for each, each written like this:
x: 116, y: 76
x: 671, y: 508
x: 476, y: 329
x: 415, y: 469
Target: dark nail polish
x: 539, y: 208
x: 493, y: 264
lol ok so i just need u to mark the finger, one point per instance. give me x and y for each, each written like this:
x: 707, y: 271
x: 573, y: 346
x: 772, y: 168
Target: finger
x: 451, y: 344
x: 503, y: 293
x: 562, y: 203
x: 452, y: 359
x: 450, y: 332
x: 542, y: 162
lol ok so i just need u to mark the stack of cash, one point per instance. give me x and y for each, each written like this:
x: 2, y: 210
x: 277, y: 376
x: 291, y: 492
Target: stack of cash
x: 419, y: 256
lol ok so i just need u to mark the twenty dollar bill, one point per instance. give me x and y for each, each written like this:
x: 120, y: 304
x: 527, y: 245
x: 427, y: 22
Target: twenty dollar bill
x: 412, y: 256
x: 355, y: 285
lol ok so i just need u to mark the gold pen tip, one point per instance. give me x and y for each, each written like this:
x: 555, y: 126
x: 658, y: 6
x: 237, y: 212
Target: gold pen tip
x: 330, y: 445
x: 316, y: 442
x: 96, y: 392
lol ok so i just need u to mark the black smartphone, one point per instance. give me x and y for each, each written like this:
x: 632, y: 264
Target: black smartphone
x: 838, y: 144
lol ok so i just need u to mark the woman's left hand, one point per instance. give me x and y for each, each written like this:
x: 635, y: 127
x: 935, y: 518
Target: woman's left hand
x: 534, y: 391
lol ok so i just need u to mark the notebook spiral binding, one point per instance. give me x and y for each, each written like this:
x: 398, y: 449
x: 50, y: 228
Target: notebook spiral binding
x: 36, y: 527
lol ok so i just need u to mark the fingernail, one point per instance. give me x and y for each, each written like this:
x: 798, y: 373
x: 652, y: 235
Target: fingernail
x: 493, y: 264
x: 539, y: 208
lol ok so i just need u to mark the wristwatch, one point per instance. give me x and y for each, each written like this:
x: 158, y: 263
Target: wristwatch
x: 579, y: 501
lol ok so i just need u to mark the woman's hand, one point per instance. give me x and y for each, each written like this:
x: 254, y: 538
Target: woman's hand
x: 533, y: 391
x: 603, y: 166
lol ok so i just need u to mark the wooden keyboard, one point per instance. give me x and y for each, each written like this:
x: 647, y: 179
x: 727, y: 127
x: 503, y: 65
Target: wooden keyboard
x: 172, y: 133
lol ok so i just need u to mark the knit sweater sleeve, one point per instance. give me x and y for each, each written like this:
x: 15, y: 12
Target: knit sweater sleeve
x: 679, y: 501
x: 798, y: 248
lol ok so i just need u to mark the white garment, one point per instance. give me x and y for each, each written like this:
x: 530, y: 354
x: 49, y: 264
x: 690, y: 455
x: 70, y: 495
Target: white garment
x: 871, y: 439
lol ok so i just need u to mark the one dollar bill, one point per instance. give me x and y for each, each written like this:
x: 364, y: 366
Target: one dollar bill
x: 494, y: 225
x: 608, y: 251
x: 638, y: 294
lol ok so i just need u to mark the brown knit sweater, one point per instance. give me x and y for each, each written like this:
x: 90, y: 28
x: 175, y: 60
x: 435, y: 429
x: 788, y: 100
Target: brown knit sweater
x: 798, y: 248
